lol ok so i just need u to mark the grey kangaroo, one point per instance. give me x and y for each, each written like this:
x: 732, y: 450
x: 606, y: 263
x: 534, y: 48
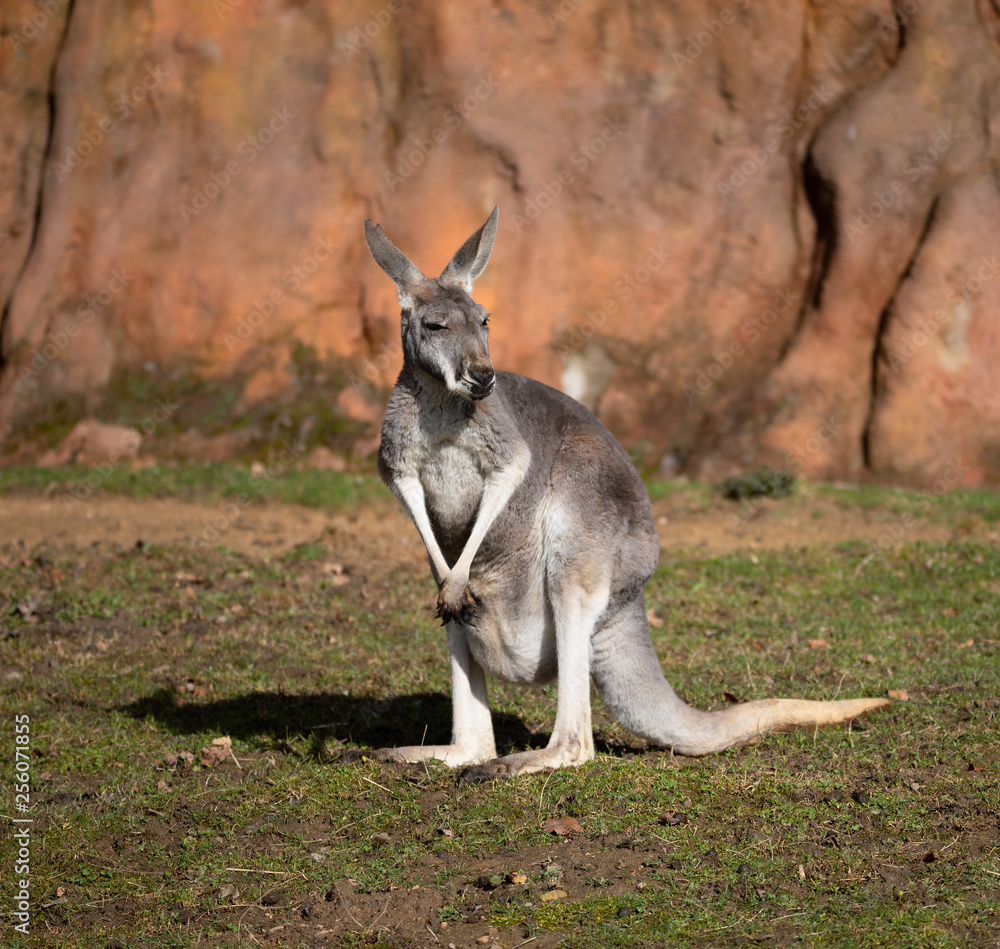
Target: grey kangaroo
x: 540, y: 535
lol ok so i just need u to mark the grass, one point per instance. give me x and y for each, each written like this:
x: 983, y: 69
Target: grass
x: 132, y: 659
x: 205, y: 482
x: 211, y: 481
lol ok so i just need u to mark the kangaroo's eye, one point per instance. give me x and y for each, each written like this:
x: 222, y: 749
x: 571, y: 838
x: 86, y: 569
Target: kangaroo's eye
x: 486, y: 322
x: 434, y: 326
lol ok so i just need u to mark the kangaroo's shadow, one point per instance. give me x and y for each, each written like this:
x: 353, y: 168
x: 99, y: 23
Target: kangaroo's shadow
x: 276, y: 717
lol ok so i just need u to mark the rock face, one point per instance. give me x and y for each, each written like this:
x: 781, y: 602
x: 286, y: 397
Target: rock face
x: 749, y: 232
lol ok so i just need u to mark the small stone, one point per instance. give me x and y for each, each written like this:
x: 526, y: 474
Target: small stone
x: 859, y: 797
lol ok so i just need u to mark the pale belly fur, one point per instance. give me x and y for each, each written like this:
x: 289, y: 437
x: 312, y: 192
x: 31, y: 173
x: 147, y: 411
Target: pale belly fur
x: 513, y: 637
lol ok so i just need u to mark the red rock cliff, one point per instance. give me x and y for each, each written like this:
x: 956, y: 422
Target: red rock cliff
x: 744, y: 232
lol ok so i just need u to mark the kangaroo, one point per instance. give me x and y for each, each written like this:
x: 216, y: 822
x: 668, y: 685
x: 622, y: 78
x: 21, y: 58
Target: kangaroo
x: 540, y: 535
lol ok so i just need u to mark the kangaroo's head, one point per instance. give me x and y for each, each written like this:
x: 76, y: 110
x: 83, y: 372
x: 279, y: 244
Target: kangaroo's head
x: 444, y: 330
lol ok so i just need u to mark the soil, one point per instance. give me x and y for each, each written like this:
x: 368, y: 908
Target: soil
x: 378, y: 536
x: 379, y: 529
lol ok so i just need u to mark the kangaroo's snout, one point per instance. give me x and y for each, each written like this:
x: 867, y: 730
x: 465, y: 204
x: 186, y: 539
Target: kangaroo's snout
x: 483, y: 382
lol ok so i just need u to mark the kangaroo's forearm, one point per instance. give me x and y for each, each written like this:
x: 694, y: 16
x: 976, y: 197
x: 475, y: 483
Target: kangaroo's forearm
x: 499, y: 487
x: 410, y: 492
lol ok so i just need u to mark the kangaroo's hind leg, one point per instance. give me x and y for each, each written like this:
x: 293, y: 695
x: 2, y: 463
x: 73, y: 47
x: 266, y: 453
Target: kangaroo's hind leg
x: 578, y: 597
x: 472, y: 726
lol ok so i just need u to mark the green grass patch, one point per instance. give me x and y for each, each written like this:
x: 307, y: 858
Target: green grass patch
x: 205, y: 483
x: 130, y: 662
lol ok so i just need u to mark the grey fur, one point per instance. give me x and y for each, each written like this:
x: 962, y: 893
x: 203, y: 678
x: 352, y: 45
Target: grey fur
x: 541, y: 537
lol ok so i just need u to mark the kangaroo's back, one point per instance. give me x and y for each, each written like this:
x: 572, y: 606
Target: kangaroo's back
x: 579, y: 467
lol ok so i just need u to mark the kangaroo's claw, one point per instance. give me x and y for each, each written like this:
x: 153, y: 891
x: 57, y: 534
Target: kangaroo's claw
x: 464, y: 609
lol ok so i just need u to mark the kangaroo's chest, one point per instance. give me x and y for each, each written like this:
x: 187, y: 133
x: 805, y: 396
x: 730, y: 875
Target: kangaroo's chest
x: 452, y: 479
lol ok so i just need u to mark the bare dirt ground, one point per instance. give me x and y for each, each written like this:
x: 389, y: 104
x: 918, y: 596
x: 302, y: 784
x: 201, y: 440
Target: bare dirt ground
x: 380, y: 529
x: 374, y: 538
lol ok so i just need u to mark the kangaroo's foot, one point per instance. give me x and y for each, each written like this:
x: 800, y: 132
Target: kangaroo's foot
x: 524, y: 762
x: 455, y: 756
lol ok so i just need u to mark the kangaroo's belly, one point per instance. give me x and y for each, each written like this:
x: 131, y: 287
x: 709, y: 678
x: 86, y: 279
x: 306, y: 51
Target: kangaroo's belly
x: 513, y: 635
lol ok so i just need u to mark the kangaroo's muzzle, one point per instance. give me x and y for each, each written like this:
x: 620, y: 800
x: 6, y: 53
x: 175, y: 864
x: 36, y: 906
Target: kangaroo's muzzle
x: 482, y: 383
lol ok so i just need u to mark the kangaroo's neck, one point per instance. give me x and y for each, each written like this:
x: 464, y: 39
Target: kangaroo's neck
x: 434, y: 400
x: 423, y: 416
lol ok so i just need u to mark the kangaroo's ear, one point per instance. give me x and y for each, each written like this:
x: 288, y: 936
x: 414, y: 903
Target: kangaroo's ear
x: 472, y: 256
x: 408, y: 279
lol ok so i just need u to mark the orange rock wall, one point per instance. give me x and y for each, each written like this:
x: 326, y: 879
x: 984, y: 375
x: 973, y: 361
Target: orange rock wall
x: 725, y: 226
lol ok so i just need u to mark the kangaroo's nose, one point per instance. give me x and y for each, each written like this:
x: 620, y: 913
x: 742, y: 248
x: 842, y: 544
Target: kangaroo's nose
x: 483, y: 382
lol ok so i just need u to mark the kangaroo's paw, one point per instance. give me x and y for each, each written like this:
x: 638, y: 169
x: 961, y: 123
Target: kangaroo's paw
x: 456, y: 603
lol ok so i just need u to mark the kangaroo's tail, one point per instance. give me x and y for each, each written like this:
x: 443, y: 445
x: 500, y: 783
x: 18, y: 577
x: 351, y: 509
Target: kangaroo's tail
x: 627, y: 673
